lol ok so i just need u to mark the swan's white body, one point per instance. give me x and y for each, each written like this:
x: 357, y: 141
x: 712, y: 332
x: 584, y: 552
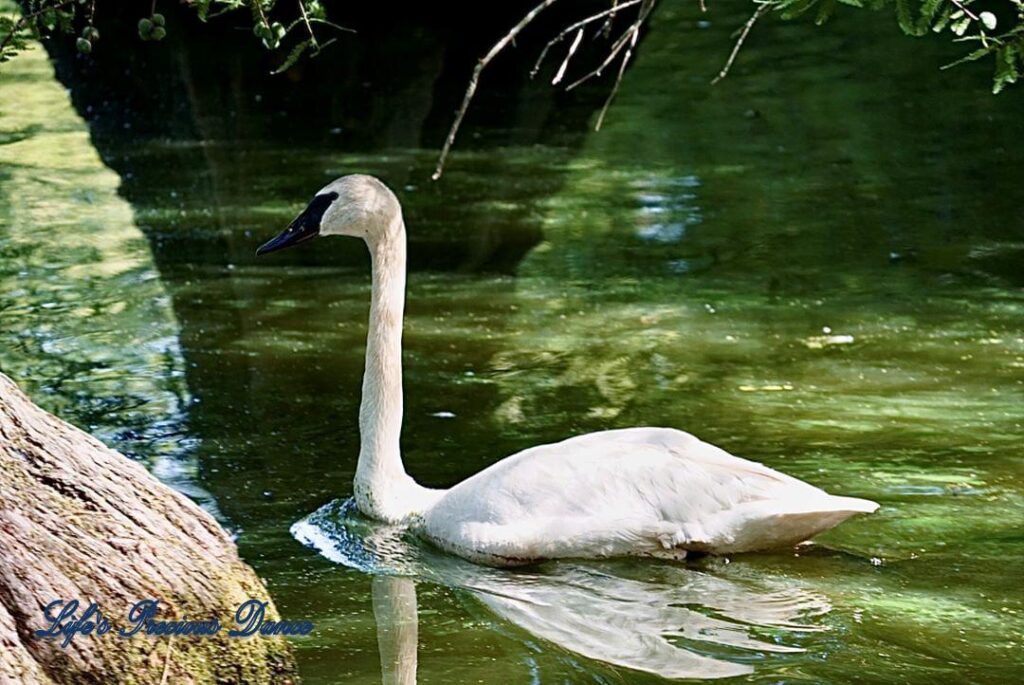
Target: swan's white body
x: 632, y: 492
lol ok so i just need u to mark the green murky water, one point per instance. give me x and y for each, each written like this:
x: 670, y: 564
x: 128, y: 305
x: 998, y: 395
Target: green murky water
x: 819, y: 264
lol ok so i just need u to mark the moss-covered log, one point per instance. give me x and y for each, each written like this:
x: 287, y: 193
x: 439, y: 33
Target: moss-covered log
x: 81, y: 521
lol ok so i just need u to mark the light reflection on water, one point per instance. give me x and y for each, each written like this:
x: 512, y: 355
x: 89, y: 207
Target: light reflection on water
x: 87, y: 325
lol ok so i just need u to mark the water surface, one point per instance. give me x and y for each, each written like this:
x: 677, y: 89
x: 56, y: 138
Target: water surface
x: 817, y: 264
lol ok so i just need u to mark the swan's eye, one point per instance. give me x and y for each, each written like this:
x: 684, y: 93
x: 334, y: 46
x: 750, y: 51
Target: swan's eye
x: 305, y: 226
x: 317, y: 207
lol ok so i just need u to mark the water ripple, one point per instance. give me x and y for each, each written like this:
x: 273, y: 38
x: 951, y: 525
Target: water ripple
x: 670, y: 620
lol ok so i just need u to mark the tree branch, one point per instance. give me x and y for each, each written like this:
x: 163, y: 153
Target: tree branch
x: 618, y: 80
x: 25, y: 18
x: 475, y: 78
x: 578, y: 25
x: 620, y: 43
x: 744, y: 32
x: 309, y: 28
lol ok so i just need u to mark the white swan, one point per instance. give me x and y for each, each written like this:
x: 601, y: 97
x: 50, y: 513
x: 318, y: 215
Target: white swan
x: 633, y: 492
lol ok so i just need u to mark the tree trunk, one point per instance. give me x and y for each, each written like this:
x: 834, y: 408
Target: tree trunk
x: 81, y: 521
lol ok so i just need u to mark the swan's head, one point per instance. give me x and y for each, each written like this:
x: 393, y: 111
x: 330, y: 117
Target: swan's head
x: 356, y: 205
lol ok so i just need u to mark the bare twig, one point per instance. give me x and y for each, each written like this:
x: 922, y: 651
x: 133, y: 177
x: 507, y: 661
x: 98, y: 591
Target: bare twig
x: 618, y: 80
x: 612, y: 54
x: 309, y: 28
x: 568, y: 56
x: 621, y: 49
x: 578, y: 25
x: 258, y: 6
x: 744, y: 32
x: 620, y: 43
x: 339, y: 27
x: 963, y: 8
x: 645, y: 11
x: 606, y: 29
x: 475, y: 78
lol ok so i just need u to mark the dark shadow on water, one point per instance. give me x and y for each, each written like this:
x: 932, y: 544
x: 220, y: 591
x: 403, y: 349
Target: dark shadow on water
x: 197, y: 126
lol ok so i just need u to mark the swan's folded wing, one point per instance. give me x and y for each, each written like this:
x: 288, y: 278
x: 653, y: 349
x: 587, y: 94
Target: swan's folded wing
x: 652, y: 491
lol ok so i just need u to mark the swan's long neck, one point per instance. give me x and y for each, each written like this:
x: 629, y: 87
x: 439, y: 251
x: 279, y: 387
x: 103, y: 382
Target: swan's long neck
x: 382, y: 488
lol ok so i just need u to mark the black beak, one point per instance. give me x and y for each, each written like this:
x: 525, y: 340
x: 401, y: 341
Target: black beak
x: 305, y: 226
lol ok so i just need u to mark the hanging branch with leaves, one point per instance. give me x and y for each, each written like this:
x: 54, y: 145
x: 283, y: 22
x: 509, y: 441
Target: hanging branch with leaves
x: 274, y: 23
x: 290, y: 26
x: 998, y: 31
x: 915, y: 17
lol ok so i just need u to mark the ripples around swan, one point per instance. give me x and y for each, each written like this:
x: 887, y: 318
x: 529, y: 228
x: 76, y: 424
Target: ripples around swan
x: 666, y: 619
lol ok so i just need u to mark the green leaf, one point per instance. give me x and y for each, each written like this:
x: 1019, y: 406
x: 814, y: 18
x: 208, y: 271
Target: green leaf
x: 930, y: 10
x: 970, y: 57
x: 293, y: 57
x: 202, y: 8
x: 1007, y: 70
x: 16, y: 40
x: 909, y: 24
x: 314, y: 9
x: 826, y: 8
x: 940, y: 22
x: 959, y: 26
x: 794, y: 8
x: 65, y: 21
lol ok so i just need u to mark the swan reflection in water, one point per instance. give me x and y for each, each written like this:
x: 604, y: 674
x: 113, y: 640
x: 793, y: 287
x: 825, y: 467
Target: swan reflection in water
x: 666, y: 619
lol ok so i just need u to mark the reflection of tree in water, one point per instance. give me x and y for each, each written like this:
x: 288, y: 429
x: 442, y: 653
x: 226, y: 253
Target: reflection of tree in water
x: 92, y: 335
x: 89, y: 319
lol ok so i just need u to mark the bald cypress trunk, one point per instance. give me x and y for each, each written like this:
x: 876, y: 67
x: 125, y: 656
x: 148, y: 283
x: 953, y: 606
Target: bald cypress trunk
x: 81, y: 521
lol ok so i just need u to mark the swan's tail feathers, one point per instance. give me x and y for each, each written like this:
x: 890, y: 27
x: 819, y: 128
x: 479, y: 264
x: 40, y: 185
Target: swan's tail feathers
x: 854, y: 505
x: 773, y: 524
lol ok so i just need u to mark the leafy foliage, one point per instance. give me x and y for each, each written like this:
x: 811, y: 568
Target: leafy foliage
x: 16, y: 39
x: 288, y: 27
x: 998, y: 30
